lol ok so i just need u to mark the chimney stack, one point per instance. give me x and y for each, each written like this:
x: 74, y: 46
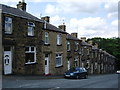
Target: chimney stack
x: 46, y: 18
x: 22, y: 5
x: 83, y: 39
x: 90, y: 42
x: 74, y: 35
x: 62, y: 27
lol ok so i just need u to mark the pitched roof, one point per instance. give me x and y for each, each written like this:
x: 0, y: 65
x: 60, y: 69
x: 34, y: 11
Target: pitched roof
x: 70, y: 37
x: 17, y: 12
x: 85, y: 44
x: 54, y: 28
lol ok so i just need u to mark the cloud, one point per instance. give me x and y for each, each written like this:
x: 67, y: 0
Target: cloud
x: 92, y: 27
x: 78, y: 6
x: 51, y: 9
x: 111, y: 7
x: 113, y: 15
x: 57, y: 20
x: 114, y: 23
x: 88, y: 23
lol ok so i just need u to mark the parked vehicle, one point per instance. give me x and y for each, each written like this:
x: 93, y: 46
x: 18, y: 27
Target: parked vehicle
x: 118, y: 72
x: 77, y: 72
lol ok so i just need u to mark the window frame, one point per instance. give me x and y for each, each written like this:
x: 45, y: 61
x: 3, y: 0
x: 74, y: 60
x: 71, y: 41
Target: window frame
x: 30, y: 51
x: 68, y: 46
x: 59, y: 39
x: 77, y: 46
x: 31, y: 29
x: 76, y: 61
x: 6, y: 25
x: 59, y: 55
x: 46, y: 36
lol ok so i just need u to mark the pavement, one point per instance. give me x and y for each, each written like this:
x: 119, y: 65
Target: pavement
x: 31, y: 77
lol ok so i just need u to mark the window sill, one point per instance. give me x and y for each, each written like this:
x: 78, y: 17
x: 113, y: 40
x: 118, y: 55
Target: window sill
x: 30, y: 36
x: 59, y: 44
x: 59, y: 66
x: 46, y: 44
x: 30, y: 63
x: 8, y: 33
x: 68, y: 51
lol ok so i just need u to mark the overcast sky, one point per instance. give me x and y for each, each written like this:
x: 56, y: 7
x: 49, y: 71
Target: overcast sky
x: 90, y: 18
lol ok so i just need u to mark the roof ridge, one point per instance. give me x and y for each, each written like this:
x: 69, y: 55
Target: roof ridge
x: 17, y: 12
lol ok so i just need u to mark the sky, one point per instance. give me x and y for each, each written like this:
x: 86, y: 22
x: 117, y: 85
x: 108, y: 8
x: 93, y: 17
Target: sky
x: 89, y: 18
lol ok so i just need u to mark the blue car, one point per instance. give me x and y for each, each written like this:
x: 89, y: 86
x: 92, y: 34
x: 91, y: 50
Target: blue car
x: 77, y: 72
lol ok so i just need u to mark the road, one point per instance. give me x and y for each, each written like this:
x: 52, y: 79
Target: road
x: 93, y: 81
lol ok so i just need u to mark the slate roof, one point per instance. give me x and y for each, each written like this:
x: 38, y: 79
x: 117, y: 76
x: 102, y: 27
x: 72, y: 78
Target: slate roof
x: 85, y: 44
x: 19, y: 13
x: 70, y: 37
x: 54, y: 28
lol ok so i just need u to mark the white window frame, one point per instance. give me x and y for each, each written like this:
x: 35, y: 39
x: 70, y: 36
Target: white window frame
x: 31, y: 26
x: 58, y: 39
x: 76, y: 61
x: 59, y: 55
x: 9, y: 22
x: 30, y: 51
x: 45, y: 25
x: 46, y: 38
x: 68, y: 46
x: 88, y: 52
x: 77, y: 46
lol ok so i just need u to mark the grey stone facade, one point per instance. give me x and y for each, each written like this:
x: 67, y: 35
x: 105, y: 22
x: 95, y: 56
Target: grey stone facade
x: 39, y: 48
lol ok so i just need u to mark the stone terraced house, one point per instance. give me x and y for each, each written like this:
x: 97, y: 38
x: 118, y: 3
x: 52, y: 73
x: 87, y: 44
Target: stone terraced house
x: 21, y: 40
x: 54, y: 49
x: 34, y: 46
x: 73, y: 49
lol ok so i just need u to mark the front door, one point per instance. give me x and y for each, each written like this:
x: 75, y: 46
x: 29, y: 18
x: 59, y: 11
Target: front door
x: 7, y: 62
x: 68, y: 64
x: 46, y: 64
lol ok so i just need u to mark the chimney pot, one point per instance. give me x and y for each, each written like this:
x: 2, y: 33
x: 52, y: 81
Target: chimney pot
x: 74, y: 34
x: 46, y: 18
x: 22, y: 5
x: 83, y: 39
x: 62, y: 27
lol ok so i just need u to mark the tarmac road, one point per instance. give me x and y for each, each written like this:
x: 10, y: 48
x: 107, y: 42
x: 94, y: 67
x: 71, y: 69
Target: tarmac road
x: 93, y: 81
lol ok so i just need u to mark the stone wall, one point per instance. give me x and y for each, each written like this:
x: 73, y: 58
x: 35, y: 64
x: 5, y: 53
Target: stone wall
x: 52, y: 49
x: 19, y: 40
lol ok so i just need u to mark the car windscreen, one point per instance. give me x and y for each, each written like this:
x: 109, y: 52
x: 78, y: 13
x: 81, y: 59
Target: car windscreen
x: 72, y: 70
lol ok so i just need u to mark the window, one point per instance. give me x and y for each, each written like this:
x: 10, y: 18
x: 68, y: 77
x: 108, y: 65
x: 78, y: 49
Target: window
x: 75, y: 61
x: 95, y: 65
x: 7, y: 48
x: 68, y: 46
x: 46, y: 38
x: 58, y: 60
x: 58, y: 39
x: 8, y: 25
x: 77, y: 46
x: 30, y: 55
x: 45, y: 25
x: 88, y: 52
x: 31, y: 27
